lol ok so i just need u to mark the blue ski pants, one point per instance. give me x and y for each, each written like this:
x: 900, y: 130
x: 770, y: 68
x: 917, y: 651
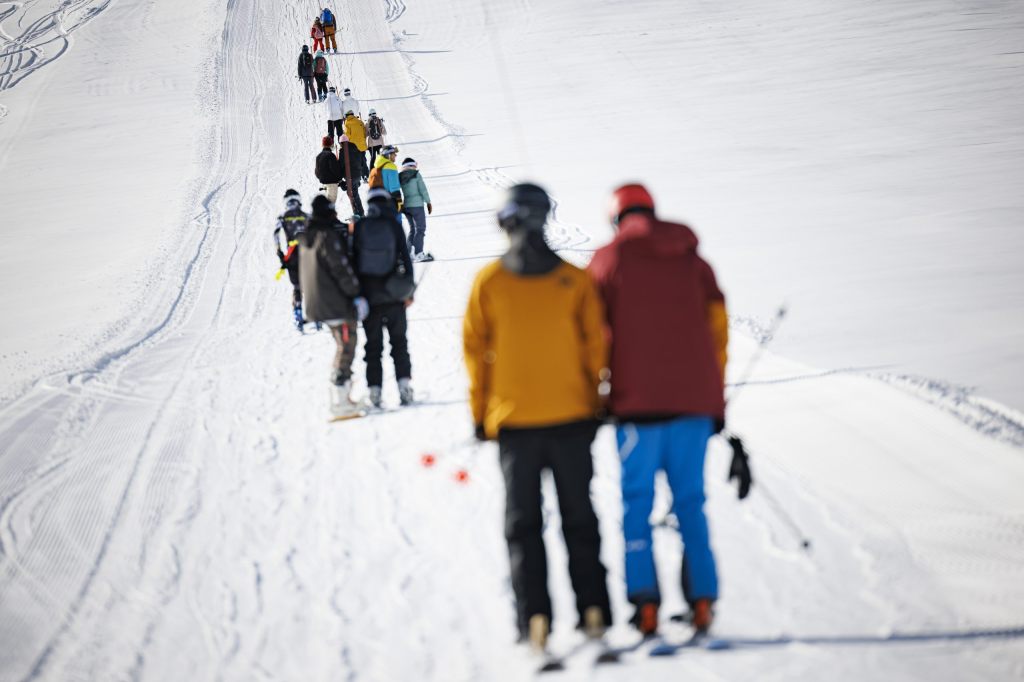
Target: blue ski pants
x: 678, y: 447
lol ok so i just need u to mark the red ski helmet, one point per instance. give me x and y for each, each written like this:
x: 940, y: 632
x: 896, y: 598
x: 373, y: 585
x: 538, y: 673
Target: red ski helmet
x: 626, y: 197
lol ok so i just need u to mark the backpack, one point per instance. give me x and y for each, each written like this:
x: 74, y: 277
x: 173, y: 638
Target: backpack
x: 375, y: 127
x: 375, y: 248
x: 321, y: 65
x: 328, y: 18
x: 376, y: 178
x: 307, y: 59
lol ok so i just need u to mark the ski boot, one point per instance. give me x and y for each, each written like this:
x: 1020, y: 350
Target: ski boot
x: 375, y: 397
x: 342, y: 404
x: 702, y: 615
x: 645, y: 618
x: 540, y: 628
x: 593, y: 622
x: 423, y: 257
x: 297, y: 315
x: 405, y: 394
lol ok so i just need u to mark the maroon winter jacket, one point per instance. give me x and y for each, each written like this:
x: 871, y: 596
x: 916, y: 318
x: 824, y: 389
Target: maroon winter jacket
x: 662, y: 304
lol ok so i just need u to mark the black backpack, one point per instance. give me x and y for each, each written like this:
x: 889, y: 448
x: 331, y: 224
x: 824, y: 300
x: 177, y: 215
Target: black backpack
x: 307, y: 59
x: 375, y: 247
x: 375, y: 127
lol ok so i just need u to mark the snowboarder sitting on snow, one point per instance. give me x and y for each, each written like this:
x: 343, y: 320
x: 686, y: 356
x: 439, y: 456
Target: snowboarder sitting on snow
x: 332, y: 291
x: 330, y: 25
x: 355, y: 129
x: 328, y: 170
x: 414, y: 198
x: 385, y: 272
x: 290, y: 225
x: 306, y: 74
x: 320, y: 73
x: 335, y: 117
x: 375, y: 132
x: 349, y: 157
x: 317, y: 34
x: 535, y: 351
x: 669, y: 333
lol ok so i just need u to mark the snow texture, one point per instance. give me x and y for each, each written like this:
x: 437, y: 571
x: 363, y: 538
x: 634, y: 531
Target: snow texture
x: 174, y: 504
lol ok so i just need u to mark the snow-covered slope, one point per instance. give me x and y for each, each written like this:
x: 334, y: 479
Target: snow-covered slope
x: 175, y: 506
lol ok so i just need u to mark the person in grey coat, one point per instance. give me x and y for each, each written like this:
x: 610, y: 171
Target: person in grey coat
x: 415, y: 206
x: 331, y: 295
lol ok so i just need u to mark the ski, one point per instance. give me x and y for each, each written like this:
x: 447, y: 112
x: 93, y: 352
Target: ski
x: 699, y: 640
x: 346, y: 417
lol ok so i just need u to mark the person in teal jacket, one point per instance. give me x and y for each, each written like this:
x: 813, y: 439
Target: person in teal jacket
x: 415, y: 199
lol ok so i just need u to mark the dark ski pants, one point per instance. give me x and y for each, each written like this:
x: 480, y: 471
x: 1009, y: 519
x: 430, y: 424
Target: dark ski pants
x: 353, y: 197
x: 392, y: 317
x: 336, y: 128
x: 417, y: 216
x: 373, y: 153
x: 307, y: 88
x: 293, y: 274
x: 345, y: 335
x: 678, y: 447
x: 524, y: 454
x: 321, y: 85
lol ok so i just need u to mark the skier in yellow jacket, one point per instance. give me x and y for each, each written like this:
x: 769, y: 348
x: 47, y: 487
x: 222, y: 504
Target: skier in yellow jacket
x: 536, y: 353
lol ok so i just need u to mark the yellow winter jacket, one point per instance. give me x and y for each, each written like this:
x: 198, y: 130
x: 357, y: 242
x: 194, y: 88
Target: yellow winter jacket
x: 535, y: 348
x: 356, y: 131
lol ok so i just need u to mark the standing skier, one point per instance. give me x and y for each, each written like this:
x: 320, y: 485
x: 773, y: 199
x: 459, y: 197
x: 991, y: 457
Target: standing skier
x: 350, y: 103
x: 349, y: 158
x: 375, y: 132
x: 536, y: 353
x: 669, y: 333
x: 320, y: 72
x: 330, y: 28
x: 385, y: 174
x: 355, y: 129
x: 290, y: 225
x: 317, y: 34
x: 332, y: 289
x: 328, y: 170
x: 414, y: 198
x: 306, y: 74
x: 335, y: 117
x: 385, y: 272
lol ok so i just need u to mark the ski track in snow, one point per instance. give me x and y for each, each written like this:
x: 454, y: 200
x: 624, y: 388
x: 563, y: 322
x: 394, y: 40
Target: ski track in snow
x: 181, y: 509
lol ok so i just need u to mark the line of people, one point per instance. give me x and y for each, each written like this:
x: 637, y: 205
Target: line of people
x: 551, y: 350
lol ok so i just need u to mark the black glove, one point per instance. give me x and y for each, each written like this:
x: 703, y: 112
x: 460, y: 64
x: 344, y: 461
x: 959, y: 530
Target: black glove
x: 479, y: 433
x: 343, y: 185
x: 740, y: 467
x: 280, y: 257
x: 718, y: 425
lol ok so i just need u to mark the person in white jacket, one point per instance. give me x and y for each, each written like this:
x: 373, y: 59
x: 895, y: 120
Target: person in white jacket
x: 335, y: 115
x: 350, y: 103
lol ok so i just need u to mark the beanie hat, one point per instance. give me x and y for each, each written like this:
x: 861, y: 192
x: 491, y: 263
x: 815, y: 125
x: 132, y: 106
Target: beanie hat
x: 305, y: 48
x: 343, y: 138
x: 331, y: 89
x: 328, y: 141
x: 379, y: 193
x: 373, y: 112
x: 409, y: 161
x: 291, y: 196
x: 322, y: 207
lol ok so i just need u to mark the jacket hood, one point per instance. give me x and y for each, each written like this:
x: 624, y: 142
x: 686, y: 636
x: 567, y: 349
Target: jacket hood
x: 319, y: 53
x: 407, y: 175
x: 383, y: 161
x: 656, y: 237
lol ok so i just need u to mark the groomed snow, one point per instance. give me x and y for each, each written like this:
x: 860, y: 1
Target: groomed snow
x: 173, y: 504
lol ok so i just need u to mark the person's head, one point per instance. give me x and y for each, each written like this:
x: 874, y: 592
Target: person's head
x: 331, y: 89
x: 343, y: 138
x: 349, y: 113
x: 327, y: 142
x: 305, y: 48
x: 409, y: 163
x: 292, y: 199
x: 348, y: 92
x: 629, y: 198
x: 380, y: 197
x: 389, y: 152
x: 322, y: 207
x: 316, y: 20
x: 525, y: 208
x: 373, y: 112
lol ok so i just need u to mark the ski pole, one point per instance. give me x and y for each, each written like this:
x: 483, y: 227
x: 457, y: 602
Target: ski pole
x: 785, y: 517
x: 762, y: 344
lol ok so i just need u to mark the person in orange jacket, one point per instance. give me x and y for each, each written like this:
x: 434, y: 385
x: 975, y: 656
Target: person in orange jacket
x: 669, y: 331
x: 535, y: 350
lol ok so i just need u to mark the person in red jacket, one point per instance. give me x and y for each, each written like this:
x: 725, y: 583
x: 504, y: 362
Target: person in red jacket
x: 669, y: 330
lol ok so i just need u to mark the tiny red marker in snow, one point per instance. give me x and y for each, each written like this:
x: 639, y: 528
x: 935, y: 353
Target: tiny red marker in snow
x: 462, y: 476
x: 428, y: 460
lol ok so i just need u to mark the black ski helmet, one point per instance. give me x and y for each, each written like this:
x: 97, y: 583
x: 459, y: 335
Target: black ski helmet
x: 291, y: 196
x: 322, y: 206
x: 525, y: 207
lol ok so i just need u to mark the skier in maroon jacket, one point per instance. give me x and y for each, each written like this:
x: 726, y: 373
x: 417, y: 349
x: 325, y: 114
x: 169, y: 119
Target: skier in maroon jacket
x: 669, y: 331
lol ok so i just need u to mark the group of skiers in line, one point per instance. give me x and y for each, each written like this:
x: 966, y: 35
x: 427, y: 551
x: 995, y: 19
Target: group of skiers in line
x: 638, y: 338
x: 313, y: 69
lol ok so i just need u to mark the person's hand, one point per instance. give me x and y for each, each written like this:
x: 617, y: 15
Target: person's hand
x: 343, y: 185
x: 400, y: 204
x: 739, y: 469
x: 280, y: 257
x: 409, y: 301
x: 430, y: 207
x: 362, y: 308
x: 479, y: 433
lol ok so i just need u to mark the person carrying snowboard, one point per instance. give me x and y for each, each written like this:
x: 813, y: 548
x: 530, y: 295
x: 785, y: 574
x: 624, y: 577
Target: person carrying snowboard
x: 414, y: 198
x: 328, y: 170
x: 332, y: 296
x: 669, y: 331
x: 330, y: 25
x: 320, y: 72
x: 375, y: 132
x: 349, y: 158
x: 317, y: 34
x: 385, y: 273
x: 355, y: 129
x: 535, y: 351
x: 290, y: 225
x: 306, y: 74
x: 335, y: 117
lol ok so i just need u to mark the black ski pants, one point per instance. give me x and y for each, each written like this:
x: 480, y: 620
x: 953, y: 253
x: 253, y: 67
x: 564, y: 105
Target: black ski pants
x: 321, y: 85
x: 307, y: 88
x: 336, y: 128
x: 392, y: 317
x: 524, y: 454
x: 293, y: 275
